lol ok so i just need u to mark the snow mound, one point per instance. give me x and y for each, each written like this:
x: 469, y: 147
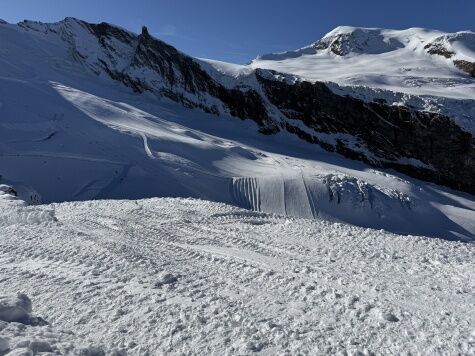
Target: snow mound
x: 16, y: 211
x: 15, y: 308
x: 27, y: 216
x: 7, y: 192
x: 9, y: 196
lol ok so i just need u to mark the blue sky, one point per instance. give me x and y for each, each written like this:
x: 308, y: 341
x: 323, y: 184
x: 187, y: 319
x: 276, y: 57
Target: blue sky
x: 238, y: 31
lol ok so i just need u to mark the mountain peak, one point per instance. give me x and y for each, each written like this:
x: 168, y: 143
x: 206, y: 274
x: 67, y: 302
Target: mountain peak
x: 350, y: 40
x: 145, y: 31
x: 345, y: 40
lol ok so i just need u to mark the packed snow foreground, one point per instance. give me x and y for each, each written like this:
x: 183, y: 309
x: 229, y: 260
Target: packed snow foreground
x: 185, y: 276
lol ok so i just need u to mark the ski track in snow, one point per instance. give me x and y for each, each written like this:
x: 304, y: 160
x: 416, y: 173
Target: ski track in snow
x: 183, y: 276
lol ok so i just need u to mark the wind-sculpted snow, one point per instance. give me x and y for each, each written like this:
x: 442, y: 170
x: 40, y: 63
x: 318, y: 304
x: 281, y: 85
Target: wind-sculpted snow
x: 183, y: 276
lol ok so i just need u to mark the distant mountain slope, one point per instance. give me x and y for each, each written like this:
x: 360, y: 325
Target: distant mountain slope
x: 424, y: 69
x: 92, y: 111
x: 414, y: 61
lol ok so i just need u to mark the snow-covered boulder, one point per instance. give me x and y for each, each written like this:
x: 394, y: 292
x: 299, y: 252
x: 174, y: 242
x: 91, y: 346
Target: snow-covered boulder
x: 7, y: 190
x: 15, y: 308
x: 166, y: 278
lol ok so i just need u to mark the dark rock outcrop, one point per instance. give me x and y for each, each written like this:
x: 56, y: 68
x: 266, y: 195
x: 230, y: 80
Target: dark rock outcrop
x: 390, y: 133
x: 178, y: 73
x: 439, y: 49
x: 466, y: 66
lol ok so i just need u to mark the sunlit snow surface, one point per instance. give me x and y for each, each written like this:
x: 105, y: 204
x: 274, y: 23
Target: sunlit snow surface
x: 67, y: 134
x: 183, y: 276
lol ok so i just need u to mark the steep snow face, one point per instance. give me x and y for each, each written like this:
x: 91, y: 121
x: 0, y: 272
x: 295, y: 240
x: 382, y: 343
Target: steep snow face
x: 435, y: 67
x: 184, y: 276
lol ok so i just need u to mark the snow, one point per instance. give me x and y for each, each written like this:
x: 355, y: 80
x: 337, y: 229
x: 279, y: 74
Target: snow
x: 193, y: 154
x: 385, y: 59
x: 15, y: 309
x: 83, y: 273
x: 185, y: 276
x: 67, y: 134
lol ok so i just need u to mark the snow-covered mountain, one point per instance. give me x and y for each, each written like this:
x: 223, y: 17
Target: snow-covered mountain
x: 91, y: 111
x: 415, y: 61
x: 424, y: 69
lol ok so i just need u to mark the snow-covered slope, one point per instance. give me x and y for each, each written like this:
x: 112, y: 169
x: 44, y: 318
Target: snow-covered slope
x: 182, y: 276
x: 427, y: 66
x: 415, y: 61
x: 71, y: 130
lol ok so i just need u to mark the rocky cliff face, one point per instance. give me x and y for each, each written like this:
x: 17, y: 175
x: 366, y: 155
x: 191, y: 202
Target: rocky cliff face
x: 153, y: 65
x: 385, y: 135
x: 424, y: 145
